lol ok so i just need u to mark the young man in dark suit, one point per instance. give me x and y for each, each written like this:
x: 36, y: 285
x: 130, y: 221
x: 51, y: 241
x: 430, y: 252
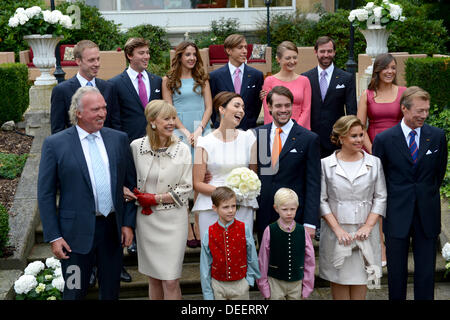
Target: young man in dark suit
x: 135, y: 88
x: 87, y: 56
x: 414, y: 157
x: 333, y: 94
x: 236, y: 76
x: 296, y: 165
x: 89, y: 165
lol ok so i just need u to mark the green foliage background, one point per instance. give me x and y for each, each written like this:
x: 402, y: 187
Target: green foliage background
x: 14, y: 89
x: 4, y: 228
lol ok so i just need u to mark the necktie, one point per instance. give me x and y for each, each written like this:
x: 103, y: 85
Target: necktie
x: 237, y: 81
x: 102, y: 185
x: 89, y: 84
x: 323, y: 84
x: 142, y: 91
x: 413, y: 146
x: 276, y: 146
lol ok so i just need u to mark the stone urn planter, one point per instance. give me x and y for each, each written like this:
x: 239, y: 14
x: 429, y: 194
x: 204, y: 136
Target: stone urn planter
x: 376, y: 39
x: 43, y: 56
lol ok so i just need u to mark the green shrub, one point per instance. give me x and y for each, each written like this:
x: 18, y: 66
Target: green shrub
x: 14, y: 89
x: 11, y: 165
x: 433, y: 75
x: 219, y: 31
x: 4, y: 229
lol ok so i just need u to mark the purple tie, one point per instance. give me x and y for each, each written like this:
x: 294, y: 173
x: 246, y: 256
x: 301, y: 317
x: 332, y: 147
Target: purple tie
x: 237, y: 81
x: 142, y: 91
x: 323, y: 84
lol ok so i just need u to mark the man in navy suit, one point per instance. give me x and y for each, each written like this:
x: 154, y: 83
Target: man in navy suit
x: 297, y: 166
x: 135, y: 88
x: 236, y: 76
x: 333, y: 94
x: 414, y: 158
x: 87, y: 56
x: 89, y: 165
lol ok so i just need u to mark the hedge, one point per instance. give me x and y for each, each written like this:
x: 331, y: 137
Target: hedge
x: 433, y: 75
x: 4, y: 229
x: 14, y: 89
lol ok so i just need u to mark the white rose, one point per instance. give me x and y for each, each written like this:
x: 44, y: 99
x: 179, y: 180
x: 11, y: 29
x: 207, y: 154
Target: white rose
x: 243, y: 188
x: 40, y: 288
x: 252, y: 185
x: 351, y: 17
x: 58, y: 272
x: 48, y: 277
x: 362, y: 14
x: 402, y: 18
x: 33, y: 11
x: 55, y: 16
x: 369, y: 5
x: 52, y: 263
x: 34, y: 268
x: 377, y: 12
x: 13, y: 22
x: 446, y: 251
x: 233, y: 180
x: 23, y: 18
x: 66, y: 22
x: 245, y: 176
x: 47, y: 14
x: 25, y: 284
x: 20, y: 10
x: 58, y: 283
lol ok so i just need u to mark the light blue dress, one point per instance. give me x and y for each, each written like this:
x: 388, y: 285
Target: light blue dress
x: 190, y: 108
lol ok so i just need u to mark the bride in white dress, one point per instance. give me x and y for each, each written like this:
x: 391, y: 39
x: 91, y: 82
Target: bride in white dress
x: 221, y: 151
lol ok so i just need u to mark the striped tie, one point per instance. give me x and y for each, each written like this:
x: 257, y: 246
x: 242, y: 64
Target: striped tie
x: 413, y: 146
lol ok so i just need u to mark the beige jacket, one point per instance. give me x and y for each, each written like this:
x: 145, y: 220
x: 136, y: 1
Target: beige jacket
x: 351, y: 202
x: 175, y: 170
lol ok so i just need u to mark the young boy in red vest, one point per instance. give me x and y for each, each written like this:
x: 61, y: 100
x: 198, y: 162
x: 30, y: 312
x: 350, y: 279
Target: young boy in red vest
x: 287, y: 273
x: 228, y: 259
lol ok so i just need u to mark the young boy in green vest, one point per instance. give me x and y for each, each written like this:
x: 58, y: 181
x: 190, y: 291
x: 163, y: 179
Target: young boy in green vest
x: 228, y: 259
x: 287, y: 273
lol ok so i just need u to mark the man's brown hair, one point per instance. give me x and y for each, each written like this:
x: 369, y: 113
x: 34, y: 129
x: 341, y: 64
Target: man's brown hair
x: 222, y: 194
x: 233, y: 41
x: 133, y: 43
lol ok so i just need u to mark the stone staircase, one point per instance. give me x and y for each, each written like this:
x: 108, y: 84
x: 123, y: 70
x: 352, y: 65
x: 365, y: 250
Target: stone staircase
x: 190, y: 279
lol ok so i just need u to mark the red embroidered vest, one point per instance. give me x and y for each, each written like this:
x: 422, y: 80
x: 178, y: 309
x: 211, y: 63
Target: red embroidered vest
x: 229, y: 251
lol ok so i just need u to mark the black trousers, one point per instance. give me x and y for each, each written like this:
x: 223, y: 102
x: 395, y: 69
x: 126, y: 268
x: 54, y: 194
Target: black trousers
x: 106, y: 254
x: 424, y: 251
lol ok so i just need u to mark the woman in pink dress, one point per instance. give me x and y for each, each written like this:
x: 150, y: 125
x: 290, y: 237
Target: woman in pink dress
x: 287, y: 55
x: 380, y: 104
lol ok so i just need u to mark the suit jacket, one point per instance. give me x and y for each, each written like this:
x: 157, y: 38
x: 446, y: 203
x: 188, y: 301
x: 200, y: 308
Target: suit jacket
x: 132, y: 117
x: 324, y: 114
x: 62, y: 96
x: 63, y: 167
x: 252, y: 82
x: 412, y: 188
x: 299, y: 170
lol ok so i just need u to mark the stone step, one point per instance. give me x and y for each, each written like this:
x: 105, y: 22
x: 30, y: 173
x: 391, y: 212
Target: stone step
x: 190, y: 279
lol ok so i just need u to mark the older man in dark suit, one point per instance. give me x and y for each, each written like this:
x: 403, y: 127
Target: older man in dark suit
x: 287, y: 156
x: 135, y: 88
x: 89, y: 165
x: 333, y: 94
x: 414, y: 157
x: 87, y: 56
x: 238, y: 77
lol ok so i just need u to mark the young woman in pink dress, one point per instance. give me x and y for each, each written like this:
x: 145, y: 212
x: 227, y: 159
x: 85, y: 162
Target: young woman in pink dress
x: 287, y: 56
x: 380, y: 104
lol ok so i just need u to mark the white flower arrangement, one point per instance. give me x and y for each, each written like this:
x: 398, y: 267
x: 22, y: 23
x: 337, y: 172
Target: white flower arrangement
x: 378, y: 12
x: 446, y: 255
x: 34, y: 20
x: 244, y: 182
x: 40, y: 281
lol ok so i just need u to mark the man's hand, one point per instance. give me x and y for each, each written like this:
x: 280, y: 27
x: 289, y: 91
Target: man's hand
x: 59, y: 248
x: 127, y: 236
x: 311, y: 231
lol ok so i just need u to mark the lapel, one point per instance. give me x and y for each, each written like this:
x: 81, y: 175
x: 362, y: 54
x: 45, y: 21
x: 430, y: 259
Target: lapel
x: 340, y: 171
x: 109, y: 143
x: 399, y: 142
x: 425, y: 140
x: 100, y: 86
x: 143, y: 166
x: 153, y: 86
x: 246, y: 77
x: 290, y: 141
x: 79, y: 155
x: 226, y: 77
x: 74, y: 83
x: 129, y: 85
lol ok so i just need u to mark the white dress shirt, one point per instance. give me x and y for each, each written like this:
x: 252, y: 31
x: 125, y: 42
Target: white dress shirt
x: 329, y: 70
x: 134, y: 79
x: 233, y: 70
x: 406, y: 130
x: 83, y: 81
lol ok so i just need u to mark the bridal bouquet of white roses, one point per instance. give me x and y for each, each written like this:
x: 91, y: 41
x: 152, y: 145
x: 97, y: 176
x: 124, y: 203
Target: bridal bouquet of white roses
x: 34, y: 20
x: 446, y: 256
x: 39, y: 282
x: 244, y: 182
x: 378, y: 12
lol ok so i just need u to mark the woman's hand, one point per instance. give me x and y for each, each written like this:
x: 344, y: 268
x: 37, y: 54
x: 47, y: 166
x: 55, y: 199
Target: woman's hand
x: 194, y: 136
x: 128, y: 195
x: 262, y: 94
x: 363, y: 232
x: 342, y: 236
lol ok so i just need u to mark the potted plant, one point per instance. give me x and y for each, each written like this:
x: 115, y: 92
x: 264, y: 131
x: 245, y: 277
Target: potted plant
x: 42, y: 29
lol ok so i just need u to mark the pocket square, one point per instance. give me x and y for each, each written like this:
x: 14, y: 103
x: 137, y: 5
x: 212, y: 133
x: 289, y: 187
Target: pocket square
x: 157, y: 90
x: 428, y: 152
x: 340, y: 86
x: 293, y: 150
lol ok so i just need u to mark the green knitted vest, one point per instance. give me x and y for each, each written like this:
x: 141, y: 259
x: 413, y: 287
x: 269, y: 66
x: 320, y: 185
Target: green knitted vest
x: 287, y: 253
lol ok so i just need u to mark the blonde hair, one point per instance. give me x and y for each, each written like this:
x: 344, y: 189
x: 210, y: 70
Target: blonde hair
x: 283, y: 196
x: 155, y: 109
x: 76, y: 104
x: 285, y: 45
x: 232, y: 41
x: 80, y: 46
x: 343, y: 126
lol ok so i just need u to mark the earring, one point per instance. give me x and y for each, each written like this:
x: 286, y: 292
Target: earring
x: 153, y: 126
